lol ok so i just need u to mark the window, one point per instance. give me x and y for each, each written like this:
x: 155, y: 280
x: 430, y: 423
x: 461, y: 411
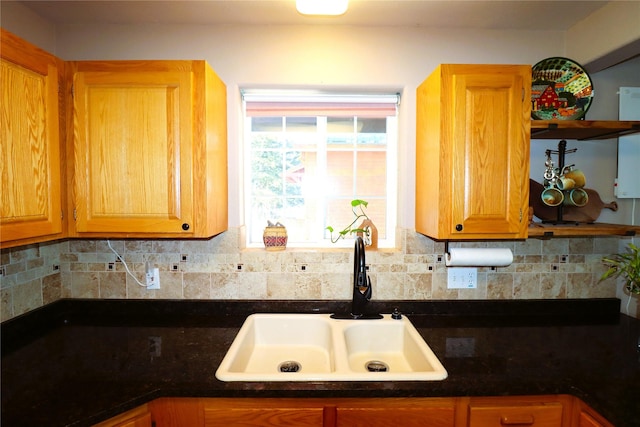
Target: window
x: 308, y: 156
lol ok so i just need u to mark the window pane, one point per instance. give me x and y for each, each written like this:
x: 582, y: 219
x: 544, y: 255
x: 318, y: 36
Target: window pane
x: 302, y: 141
x: 372, y: 131
x: 371, y: 178
x: 264, y: 141
x: 340, y: 173
x: 266, y: 173
x: 266, y: 124
x: 340, y: 124
x: 340, y: 132
x: 294, y: 173
x: 302, y: 124
x: 301, y: 219
x: 372, y: 125
x: 263, y: 209
x: 303, y: 171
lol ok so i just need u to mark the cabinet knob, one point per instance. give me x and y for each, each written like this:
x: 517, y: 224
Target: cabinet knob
x: 185, y: 226
x: 458, y: 227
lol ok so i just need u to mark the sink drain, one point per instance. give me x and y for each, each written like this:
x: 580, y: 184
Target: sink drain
x: 376, y: 366
x: 289, y: 366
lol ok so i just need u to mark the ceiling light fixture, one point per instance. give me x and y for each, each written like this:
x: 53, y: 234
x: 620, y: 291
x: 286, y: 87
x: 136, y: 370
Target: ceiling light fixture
x: 322, y: 7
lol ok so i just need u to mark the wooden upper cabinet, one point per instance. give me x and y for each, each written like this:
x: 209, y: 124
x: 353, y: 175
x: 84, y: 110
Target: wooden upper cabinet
x: 149, y: 149
x: 30, y: 208
x: 472, y: 152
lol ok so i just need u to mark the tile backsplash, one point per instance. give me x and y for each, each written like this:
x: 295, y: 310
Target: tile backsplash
x: 34, y: 275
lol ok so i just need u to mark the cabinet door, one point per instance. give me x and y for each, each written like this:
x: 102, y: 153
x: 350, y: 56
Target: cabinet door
x: 133, y: 151
x: 472, y: 152
x: 533, y: 415
x: 30, y: 208
x: 259, y: 417
x: 406, y: 412
x: 405, y: 417
x: 490, y: 154
x: 262, y: 413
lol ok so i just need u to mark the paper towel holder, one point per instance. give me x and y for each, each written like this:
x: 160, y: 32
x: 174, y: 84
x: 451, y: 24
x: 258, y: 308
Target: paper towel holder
x: 465, y: 257
x: 447, y: 255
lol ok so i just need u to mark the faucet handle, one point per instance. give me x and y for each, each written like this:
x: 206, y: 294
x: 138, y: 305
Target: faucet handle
x: 366, y: 290
x: 396, y: 314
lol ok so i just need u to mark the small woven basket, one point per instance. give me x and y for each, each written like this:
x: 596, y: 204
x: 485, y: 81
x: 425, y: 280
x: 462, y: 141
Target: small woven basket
x: 275, y: 237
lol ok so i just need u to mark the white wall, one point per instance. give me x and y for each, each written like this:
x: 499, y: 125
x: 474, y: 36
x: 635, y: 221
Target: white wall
x: 607, y: 36
x: 20, y: 20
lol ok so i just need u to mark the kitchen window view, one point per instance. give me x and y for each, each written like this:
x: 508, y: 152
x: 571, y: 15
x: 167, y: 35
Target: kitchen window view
x: 308, y: 156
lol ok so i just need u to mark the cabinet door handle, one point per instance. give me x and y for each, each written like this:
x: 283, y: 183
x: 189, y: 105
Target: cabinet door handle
x: 517, y: 420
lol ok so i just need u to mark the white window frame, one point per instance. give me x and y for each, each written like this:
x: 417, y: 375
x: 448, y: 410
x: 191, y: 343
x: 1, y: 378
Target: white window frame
x: 314, y: 96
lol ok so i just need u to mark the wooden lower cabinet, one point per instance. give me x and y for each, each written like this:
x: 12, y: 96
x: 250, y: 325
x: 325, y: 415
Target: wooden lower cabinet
x: 137, y: 417
x: 303, y: 412
x: 260, y: 412
x: 406, y: 412
x: 585, y: 416
x: 534, y: 411
x: 502, y: 411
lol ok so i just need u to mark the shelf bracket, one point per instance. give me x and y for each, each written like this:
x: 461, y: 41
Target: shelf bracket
x: 552, y: 126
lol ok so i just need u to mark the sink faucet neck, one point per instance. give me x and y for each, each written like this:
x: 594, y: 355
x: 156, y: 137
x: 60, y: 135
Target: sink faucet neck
x: 361, y: 282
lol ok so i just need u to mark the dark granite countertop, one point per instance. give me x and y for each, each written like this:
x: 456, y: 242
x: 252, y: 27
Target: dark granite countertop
x: 77, y: 362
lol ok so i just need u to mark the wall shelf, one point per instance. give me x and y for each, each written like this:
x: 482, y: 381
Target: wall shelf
x: 540, y: 230
x: 582, y: 129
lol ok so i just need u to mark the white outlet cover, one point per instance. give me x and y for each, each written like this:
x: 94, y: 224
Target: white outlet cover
x: 153, y: 281
x: 462, y: 278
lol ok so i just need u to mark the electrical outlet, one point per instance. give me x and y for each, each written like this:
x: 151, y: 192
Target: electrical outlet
x: 155, y: 346
x: 153, y: 278
x: 462, y: 278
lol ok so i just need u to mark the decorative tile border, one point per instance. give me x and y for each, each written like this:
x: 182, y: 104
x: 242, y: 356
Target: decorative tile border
x: 217, y: 268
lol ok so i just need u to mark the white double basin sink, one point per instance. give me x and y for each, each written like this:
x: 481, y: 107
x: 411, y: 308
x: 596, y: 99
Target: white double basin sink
x: 316, y: 347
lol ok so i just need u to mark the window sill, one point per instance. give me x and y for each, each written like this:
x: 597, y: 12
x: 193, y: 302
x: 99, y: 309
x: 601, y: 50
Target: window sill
x: 316, y: 250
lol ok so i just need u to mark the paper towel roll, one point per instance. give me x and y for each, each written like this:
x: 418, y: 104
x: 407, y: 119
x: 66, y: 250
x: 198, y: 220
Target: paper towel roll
x: 478, y: 257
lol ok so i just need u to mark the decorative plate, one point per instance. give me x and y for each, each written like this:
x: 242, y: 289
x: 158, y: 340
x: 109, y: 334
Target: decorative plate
x: 560, y: 90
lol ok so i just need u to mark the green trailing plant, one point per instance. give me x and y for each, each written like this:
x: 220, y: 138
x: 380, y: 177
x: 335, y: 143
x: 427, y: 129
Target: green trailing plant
x: 358, y: 208
x: 627, y: 265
